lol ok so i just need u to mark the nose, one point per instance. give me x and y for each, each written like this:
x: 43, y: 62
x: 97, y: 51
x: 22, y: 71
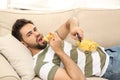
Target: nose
x: 36, y: 33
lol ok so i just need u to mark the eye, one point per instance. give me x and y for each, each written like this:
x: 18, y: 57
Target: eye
x: 35, y: 29
x: 29, y: 34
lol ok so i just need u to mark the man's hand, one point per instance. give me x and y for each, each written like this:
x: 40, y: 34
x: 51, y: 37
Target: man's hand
x: 70, y: 26
x: 56, y: 43
x: 75, y: 32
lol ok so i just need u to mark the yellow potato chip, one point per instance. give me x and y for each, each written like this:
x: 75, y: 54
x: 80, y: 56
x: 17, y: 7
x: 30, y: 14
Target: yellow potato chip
x: 48, y: 37
x: 87, y: 45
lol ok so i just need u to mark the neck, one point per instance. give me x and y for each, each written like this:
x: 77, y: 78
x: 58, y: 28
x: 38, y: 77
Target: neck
x: 34, y: 51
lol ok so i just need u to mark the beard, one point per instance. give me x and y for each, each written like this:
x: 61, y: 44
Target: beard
x: 41, y: 46
x: 38, y: 46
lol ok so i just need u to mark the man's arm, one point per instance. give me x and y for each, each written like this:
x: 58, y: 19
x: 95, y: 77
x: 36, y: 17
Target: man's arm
x: 70, y: 26
x: 71, y: 71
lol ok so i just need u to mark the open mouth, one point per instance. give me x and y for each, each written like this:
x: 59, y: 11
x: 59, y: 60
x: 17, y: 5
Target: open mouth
x: 40, y: 40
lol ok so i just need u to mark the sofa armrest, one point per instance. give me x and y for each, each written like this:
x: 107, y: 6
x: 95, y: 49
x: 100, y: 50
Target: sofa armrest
x: 6, y: 70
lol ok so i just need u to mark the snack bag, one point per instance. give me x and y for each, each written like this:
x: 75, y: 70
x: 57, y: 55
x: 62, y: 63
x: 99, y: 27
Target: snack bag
x: 87, y: 45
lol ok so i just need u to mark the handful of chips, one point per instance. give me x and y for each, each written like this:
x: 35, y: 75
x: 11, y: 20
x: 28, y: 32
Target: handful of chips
x: 84, y: 45
x: 48, y: 37
x: 87, y: 45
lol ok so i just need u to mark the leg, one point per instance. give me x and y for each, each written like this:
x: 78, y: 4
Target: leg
x: 113, y: 71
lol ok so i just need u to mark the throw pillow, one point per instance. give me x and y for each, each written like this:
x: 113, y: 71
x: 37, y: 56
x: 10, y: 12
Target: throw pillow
x: 18, y: 55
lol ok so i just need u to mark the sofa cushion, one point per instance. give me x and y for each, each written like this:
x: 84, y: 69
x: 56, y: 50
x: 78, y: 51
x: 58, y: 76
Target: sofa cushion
x: 96, y: 78
x: 6, y: 71
x: 18, y: 56
x: 37, y: 78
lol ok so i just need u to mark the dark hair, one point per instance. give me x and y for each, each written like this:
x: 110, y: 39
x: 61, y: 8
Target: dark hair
x: 17, y: 26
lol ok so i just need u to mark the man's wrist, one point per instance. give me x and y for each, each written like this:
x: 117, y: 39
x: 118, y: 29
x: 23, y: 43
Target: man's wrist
x: 59, y: 34
x: 59, y: 52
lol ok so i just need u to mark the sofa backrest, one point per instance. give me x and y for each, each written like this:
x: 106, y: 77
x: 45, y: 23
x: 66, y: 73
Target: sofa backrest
x: 101, y: 26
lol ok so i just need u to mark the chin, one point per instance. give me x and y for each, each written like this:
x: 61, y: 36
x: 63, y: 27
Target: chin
x: 42, y: 46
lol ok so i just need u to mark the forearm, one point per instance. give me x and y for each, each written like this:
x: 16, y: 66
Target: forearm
x: 64, y: 29
x: 71, y: 68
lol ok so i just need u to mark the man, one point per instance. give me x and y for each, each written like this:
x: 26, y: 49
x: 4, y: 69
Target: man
x: 60, y: 60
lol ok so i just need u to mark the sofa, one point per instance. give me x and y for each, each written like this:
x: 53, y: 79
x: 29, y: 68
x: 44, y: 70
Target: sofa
x: 100, y: 25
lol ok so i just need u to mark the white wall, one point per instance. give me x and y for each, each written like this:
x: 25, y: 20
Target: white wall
x: 63, y: 4
x: 3, y: 4
x: 113, y: 4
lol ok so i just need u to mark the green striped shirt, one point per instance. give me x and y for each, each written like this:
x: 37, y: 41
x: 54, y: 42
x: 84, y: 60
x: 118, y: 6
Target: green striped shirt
x: 92, y: 64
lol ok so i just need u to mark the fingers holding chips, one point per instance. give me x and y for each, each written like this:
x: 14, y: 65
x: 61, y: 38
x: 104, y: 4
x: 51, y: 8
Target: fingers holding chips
x: 84, y: 45
x: 49, y: 37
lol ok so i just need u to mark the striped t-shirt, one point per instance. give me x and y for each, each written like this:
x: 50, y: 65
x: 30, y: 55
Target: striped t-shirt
x: 46, y: 62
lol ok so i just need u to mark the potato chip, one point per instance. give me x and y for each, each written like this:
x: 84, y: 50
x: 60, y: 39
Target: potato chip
x: 87, y: 45
x: 48, y: 37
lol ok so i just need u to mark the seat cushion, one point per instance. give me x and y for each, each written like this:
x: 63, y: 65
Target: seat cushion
x: 96, y: 78
x: 6, y: 70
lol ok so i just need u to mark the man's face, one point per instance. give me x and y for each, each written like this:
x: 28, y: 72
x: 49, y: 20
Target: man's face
x: 32, y: 38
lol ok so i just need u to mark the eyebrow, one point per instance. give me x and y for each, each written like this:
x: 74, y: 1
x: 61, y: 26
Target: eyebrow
x: 30, y: 31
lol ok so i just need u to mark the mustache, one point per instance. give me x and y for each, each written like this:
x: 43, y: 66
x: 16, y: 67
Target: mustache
x: 39, y: 36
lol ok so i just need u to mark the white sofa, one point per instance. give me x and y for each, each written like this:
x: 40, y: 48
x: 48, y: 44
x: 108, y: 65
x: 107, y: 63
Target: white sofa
x: 101, y: 26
